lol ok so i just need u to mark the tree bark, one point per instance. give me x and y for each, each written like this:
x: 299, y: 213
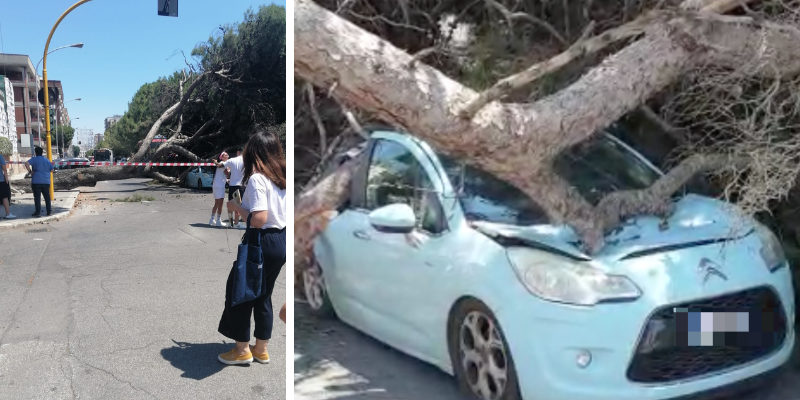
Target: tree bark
x: 517, y: 142
x: 315, y: 208
x: 70, y: 179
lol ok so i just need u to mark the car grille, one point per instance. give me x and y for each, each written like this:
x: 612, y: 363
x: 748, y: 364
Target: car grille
x: 665, y: 359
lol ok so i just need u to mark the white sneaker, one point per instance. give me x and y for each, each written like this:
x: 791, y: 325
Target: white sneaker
x: 241, y: 226
x: 211, y: 222
x: 10, y: 216
x: 220, y: 223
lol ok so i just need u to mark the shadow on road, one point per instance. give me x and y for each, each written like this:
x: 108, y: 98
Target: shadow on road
x: 206, y: 225
x: 335, y: 361
x: 197, y: 360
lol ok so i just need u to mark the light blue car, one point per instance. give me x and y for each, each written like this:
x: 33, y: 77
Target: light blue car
x: 456, y: 268
x: 200, y: 177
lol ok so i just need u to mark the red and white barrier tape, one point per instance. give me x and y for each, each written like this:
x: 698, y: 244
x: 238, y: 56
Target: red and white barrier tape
x: 132, y: 164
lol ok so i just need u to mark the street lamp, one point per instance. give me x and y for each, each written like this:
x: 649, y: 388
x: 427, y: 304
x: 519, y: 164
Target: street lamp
x: 38, y: 117
x: 46, y: 94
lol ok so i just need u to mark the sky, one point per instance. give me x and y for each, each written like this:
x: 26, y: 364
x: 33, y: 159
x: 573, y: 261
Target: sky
x: 126, y: 44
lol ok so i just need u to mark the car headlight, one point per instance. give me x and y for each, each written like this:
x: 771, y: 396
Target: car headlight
x: 561, y: 280
x: 771, y: 248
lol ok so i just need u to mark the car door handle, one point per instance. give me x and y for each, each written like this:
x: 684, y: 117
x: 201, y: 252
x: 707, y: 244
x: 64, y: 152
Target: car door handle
x: 361, y: 235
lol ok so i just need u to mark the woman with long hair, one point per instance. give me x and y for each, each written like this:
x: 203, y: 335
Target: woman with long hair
x: 264, y: 201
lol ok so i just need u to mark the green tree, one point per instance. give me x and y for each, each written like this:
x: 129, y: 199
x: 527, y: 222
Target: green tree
x: 76, y: 151
x: 245, y: 89
x: 65, y: 135
x: 6, y: 147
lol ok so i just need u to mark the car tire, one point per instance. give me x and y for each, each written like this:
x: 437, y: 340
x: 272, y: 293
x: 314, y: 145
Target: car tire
x: 315, y: 291
x: 475, y: 339
x: 200, y: 184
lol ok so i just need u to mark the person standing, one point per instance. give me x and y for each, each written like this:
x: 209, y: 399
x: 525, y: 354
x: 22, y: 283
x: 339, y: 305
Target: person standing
x: 40, y: 168
x: 218, y: 189
x: 236, y: 164
x: 5, y: 188
x: 264, y: 201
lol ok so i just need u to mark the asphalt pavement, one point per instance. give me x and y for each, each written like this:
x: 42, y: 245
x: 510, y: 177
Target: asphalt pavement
x: 335, y: 361
x: 122, y: 300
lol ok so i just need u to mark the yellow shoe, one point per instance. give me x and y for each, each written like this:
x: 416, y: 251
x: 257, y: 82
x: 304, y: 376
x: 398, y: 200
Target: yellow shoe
x: 262, y: 358
x: 231, y: 358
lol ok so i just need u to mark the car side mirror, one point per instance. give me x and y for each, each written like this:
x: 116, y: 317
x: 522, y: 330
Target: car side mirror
x: 394, y: 218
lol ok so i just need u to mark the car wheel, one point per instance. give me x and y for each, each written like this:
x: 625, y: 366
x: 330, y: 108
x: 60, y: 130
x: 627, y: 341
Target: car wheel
x: 316, y: 291
x: 480, y: 355
x: 200, y: 184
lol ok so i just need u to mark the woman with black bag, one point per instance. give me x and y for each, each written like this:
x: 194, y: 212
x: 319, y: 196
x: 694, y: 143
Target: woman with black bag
x: 264, y: 206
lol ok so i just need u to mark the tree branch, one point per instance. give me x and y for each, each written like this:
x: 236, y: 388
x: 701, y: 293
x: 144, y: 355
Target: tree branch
x: 323, y: 136
x: 167, y: 115
x: 511, y: 16
x: 579, y: 49
x: 655, y: 200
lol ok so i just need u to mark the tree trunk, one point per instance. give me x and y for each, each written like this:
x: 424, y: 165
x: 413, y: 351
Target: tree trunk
x: 517, y: 142
x: 72, y: 178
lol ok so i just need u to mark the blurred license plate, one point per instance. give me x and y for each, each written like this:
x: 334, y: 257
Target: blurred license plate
x: 712, y: 328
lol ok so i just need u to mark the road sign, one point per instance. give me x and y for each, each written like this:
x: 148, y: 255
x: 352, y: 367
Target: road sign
x: 168, y: 8
x: 53, y: 98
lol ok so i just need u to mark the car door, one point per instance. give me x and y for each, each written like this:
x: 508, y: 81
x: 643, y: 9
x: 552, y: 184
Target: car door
x: 394, y: 281
x: 191, y: 178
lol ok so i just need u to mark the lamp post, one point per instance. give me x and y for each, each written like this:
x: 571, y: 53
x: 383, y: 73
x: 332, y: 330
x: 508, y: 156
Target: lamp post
x: 38, y: 117
x: 46, y: 94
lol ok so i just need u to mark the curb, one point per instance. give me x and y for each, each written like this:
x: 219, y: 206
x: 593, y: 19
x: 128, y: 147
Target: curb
x: 37, y: 221
x: 45, y: 219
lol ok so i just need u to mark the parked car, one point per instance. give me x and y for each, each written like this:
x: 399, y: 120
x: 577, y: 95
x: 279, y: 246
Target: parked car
x: 450, y: 265
x: 72, y: 160
x: 200, y: 177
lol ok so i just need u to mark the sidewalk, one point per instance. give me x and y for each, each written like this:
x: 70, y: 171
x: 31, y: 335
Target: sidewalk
x: 22, y: 206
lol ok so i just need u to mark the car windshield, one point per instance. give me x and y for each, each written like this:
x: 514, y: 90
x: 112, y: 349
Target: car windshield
x: 602, y: 166
x: 596, y: 167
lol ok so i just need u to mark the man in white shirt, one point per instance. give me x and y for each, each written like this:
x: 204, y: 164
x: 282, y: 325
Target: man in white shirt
x: 236, y: 164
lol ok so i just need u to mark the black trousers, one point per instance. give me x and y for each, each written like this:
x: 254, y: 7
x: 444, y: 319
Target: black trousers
x: 40, y: 190
x: 235, y: 321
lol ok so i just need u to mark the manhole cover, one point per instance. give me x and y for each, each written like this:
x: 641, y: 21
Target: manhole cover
x: 37, y: 230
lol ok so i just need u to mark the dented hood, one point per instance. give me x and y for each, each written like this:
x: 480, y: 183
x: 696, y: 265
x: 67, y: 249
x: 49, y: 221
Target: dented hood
x: 697, y: 221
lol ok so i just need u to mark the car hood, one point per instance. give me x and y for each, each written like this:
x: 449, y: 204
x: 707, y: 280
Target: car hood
x: 696, y: 221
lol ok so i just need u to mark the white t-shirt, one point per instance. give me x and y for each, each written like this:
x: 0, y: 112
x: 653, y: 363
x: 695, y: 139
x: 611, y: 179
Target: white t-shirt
x: 219, y: 178
x: 237, y: 170
x: 261, y: 194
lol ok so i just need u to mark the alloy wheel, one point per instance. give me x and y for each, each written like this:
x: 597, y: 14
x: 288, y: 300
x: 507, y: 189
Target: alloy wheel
x: 483, y: 356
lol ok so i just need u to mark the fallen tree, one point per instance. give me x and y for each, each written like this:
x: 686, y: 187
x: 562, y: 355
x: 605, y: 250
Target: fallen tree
x: 517, y: 142
x: 73, y: 178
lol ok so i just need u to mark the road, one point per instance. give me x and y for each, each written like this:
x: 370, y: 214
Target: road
x: 122, y: 301
x: 334, y: 361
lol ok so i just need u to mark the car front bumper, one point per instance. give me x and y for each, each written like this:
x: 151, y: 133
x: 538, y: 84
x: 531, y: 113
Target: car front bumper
x: 547, y: 339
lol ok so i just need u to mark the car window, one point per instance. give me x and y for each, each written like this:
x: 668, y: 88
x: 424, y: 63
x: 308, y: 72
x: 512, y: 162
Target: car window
x: 484, y: 197
x: 600, y: 166
x: 396, y: 176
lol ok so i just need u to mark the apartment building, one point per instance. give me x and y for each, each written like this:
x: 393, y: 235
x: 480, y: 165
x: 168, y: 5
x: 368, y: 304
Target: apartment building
x: 22, y: 76
x: 57, y: 110
x: 110, y: 121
